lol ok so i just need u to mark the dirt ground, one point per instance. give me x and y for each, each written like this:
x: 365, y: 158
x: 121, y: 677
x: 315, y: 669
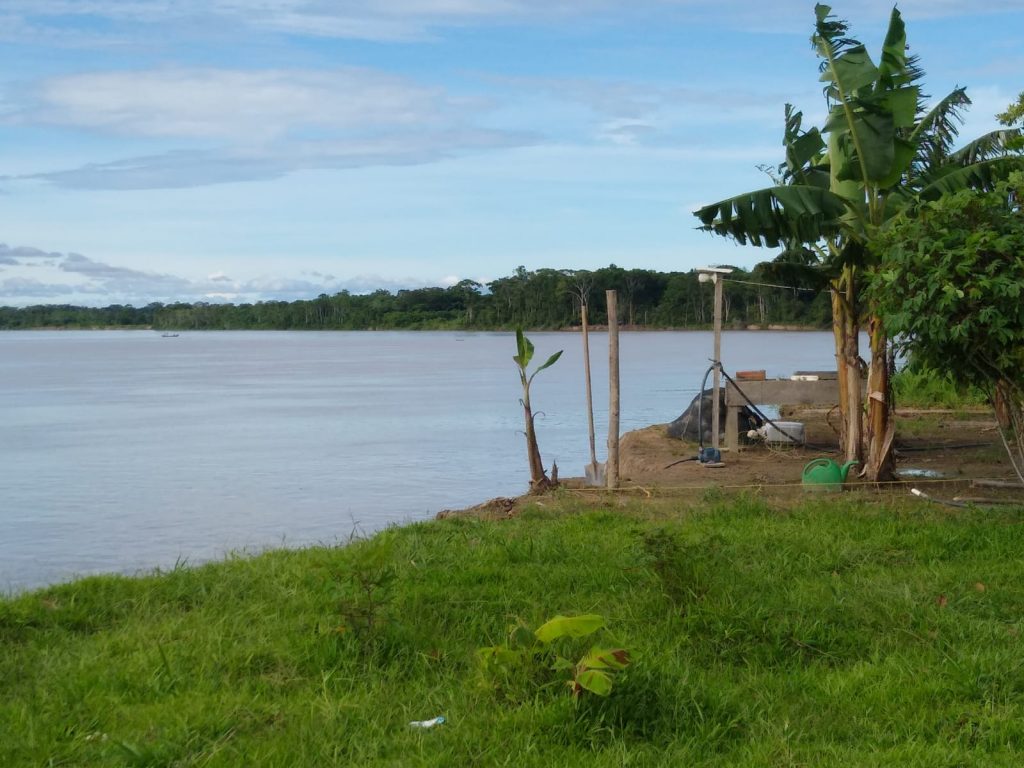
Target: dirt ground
x: 959, y: 447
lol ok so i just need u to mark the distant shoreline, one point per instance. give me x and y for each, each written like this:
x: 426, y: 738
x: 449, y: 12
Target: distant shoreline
x: 567, y: 329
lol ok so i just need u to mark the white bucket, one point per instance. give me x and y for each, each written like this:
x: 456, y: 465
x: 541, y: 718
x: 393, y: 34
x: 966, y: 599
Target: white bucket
x: 792, y: 428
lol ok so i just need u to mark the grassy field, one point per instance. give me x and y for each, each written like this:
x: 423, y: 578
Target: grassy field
x: 836, y: 632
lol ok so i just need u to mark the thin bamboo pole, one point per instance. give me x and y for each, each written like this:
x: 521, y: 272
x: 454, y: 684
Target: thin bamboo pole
x: 612, y: 468
x: 590, y: 395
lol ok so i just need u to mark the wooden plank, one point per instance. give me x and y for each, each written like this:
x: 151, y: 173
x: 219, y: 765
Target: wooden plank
x: 774, y: 392
x: 784, y: 392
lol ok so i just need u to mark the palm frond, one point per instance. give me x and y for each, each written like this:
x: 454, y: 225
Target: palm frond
x: 991, y: 145
x: 982, y: 176
x: 871, y: 107
x: 804, y: 150
x: 798, y: 266
x: 790, y: 213
x: 896, y: 68
x: 847, y: 252
x: 831, y: 31
x: 846, y: 66
x: 915, y: 73
x: 935, y: 132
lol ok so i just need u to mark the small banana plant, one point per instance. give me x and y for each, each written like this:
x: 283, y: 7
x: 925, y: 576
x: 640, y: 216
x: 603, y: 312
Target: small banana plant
x: 595, y: 670
x: 518, y: 658
x: 538, y: 477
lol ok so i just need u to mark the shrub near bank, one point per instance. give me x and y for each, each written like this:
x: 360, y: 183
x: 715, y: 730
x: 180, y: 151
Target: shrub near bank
x: 851, y: 634
x: 918, y: 387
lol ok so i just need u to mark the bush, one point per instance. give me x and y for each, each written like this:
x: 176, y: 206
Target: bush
x: 918, y: 387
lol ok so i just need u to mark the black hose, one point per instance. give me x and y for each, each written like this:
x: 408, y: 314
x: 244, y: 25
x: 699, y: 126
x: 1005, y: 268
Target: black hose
x: 757, y: 411
x: 682, y: 461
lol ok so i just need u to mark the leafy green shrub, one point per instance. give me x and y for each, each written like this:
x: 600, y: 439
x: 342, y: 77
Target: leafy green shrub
x: 531, y: 657
x: 951, y: 285
x: 919, y: 387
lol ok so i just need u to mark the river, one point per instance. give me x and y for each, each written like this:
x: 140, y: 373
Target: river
x: 124, y: 451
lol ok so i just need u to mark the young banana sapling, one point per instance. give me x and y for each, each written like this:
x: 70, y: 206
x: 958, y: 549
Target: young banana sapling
x: 538, y: 477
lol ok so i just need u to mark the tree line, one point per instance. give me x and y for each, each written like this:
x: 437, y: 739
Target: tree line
x: 543, y: 299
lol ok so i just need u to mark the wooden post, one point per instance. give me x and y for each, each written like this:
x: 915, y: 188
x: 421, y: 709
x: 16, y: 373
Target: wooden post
x: 612, y: 468
x: 715, y: 404
x: 732, y: 423
x: 590, y: 396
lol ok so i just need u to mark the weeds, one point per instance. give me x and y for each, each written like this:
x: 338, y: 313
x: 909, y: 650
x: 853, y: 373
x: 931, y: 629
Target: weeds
x: 925, y: 388
x: 684, y: 570
x: 365, y: 585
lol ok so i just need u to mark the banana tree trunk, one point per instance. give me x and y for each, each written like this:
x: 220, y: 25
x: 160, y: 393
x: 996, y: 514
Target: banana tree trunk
x: 538, y: 477
x: 847, y: 341
x: 881, y: 422
x: 1009, y: 407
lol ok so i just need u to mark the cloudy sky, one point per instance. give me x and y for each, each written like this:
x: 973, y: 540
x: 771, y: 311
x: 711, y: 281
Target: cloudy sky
x: 162, y: 150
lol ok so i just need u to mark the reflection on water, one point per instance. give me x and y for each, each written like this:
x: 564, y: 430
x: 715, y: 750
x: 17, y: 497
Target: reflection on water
x: 123, y: 450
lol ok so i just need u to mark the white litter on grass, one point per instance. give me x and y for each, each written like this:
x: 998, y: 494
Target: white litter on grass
x: 427, y: 723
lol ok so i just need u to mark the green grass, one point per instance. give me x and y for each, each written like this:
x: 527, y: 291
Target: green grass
x: 928, y: 389
x: 826, y: 634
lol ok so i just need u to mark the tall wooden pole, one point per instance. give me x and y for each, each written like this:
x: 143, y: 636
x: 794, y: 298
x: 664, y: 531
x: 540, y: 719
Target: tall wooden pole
x: 590, y: 396
x: 612, y: 473
x: 715, y: 404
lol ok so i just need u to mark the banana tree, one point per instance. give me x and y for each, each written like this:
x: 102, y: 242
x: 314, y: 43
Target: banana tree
x: 884, y: 153
x: 524, y: 348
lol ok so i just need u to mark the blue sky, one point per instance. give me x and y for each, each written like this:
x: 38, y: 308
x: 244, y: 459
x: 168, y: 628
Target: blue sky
x: 163, y: 150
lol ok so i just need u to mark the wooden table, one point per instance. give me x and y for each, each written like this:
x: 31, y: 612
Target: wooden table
x: 774, y: 392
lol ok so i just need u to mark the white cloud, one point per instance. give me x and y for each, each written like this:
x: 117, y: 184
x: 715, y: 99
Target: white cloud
x: 641, y: 113
x: 80, y: 279
x: 390, y: 20
x: 402, y: 20
x: 627, y: 133
x: 625, y: 99
x: 253, y: 124
x: 20, y: 252
x: 950, y: 8
x: 23, y: 290
x: 236, y: 105
x: 193, y: 168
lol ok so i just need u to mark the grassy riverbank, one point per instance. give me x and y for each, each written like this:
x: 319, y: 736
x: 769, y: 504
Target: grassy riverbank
x: 839, y: 633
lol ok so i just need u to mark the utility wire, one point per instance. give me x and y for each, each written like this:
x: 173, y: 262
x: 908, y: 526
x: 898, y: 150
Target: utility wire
x: 768, y: 285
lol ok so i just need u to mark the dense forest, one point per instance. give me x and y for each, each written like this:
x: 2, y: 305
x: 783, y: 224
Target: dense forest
x: 541, y: 299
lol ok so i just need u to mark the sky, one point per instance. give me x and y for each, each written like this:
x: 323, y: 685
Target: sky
x: 249, y: 150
